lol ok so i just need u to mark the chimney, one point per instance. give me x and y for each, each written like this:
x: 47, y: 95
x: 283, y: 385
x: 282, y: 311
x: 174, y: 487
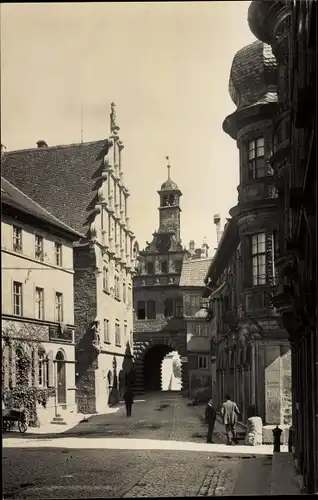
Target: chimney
x: 205, y: 249
x: 42, y: 144
x: 192, y: 246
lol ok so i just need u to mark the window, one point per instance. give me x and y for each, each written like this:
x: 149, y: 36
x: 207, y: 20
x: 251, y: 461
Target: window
x: 17, y: 298
x: 129, y: 295
x: 178, y: 266
x: 39, y: 252
x: 164, y: 266
x: 117, y: 287
x: 203, y: 362
x: 58, y: 254
x: 39, y: 303
x: 196, y: 329
x: 150, y: 267
x: 106, y: 331
x: 194, y: 304
x: 41, y: 369
x: 256, y: 158
x: 117, y: 335
x: 124, y: 291
x: 259, y: 259
x: 125, y: 332
x: 17, y: 239
x: 141, y: 310
x: 203, y: 329
x: 151, y: 309
x: 168, y: 308
x: 59, y: 307
x: 105, y: 280
x: 179, y: 308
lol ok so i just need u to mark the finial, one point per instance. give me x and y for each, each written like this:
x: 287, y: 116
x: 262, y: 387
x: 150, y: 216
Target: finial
x: 168, y: 167
x: 112, y: 116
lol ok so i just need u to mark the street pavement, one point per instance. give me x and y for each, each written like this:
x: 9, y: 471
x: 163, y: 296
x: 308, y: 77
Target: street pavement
x: 159, y: 451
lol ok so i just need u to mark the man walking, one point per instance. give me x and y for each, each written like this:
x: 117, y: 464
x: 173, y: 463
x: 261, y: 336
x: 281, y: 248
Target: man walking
x: 210, y: 418
x: 129, y: 399
x: 229, y: 412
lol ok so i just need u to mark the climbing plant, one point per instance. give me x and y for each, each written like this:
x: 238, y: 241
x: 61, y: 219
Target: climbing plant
x: 21, y: 394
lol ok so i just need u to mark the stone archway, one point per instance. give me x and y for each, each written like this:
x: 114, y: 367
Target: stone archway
x: 149, y: 362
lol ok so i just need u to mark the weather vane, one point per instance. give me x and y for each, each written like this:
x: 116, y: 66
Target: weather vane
x: 168, y: 167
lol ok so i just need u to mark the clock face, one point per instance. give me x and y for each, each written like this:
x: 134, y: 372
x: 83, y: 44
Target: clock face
x: 163, y: 242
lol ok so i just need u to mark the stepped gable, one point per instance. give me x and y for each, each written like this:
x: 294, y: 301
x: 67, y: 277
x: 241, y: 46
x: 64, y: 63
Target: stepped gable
x: 62, y: 179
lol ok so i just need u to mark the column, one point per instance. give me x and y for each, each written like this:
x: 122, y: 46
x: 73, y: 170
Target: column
x: 125, y: 202
x: 253, y: 399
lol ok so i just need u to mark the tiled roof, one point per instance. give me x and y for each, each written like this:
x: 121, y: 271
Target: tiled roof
x: 194, y: 271
x: 62, y: 179
x: 253, y: 77
x: 13, y: 197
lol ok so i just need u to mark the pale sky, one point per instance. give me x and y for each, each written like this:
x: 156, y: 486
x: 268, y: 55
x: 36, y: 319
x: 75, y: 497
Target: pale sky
x: 165, y: 64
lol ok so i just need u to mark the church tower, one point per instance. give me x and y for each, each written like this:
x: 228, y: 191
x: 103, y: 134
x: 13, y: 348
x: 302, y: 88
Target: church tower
x: 169, y: 209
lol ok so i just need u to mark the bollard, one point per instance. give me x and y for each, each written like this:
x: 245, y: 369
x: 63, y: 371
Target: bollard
x: 277, y: 433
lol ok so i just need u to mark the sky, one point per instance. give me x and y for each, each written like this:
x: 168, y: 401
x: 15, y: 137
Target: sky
x: 166, y: 65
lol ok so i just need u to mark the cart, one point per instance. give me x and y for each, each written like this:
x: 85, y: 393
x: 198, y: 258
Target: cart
x: 12, y: 419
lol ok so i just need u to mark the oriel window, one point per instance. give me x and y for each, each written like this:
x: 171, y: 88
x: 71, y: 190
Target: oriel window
x: 258, y: 259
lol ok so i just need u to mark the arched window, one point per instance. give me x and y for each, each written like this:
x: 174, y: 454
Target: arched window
x: 151, y: 309
x: 20, y: 375
x: 41, y: 372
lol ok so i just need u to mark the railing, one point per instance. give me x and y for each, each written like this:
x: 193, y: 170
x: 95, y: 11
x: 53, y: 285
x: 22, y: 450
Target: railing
x: 60, y: 333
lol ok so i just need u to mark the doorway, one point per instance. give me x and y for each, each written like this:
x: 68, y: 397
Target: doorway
x: 61, y: 378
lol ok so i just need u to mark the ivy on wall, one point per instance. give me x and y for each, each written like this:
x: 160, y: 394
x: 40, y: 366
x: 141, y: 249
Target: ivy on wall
x: 18, y: 384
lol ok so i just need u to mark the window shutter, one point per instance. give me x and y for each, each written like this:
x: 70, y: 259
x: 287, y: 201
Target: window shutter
x: 35, y: 363
x: 50, y: 381
x: 5, y: 360
x: 13, y: 368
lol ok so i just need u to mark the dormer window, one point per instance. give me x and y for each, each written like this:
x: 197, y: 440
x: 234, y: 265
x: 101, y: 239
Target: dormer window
x: 256, y: 158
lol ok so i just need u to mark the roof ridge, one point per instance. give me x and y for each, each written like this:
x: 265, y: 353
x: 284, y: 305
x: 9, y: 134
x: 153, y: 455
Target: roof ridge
x: 42, y: 208
x: 58, y: 146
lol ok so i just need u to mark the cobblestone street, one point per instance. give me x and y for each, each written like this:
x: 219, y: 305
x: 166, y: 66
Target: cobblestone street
x: 77, y: 463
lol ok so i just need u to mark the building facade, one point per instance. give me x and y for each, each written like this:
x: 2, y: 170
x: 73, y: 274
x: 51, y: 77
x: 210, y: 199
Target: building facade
x: 201, y: 362
x: 291, y: 30
x: 159, y: 327
x: 38, y: 346
x: 83, y: 185
x: 255, y: 345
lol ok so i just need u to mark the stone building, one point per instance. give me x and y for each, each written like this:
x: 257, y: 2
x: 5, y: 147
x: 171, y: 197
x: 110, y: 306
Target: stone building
x: 253, y: 357
x: 82, y: 184
x: 201, y: 364
x: 159, y: 327
x: 37, y: 305
x: 291, y: 30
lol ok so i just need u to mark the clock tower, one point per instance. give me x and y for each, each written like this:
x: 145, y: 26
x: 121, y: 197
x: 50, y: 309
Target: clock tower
x: 169, y: 209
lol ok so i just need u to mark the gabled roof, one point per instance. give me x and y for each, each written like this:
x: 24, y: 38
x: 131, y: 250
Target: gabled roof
x: 62, y: 179
x: 194, y: 271
x: 13, y: 197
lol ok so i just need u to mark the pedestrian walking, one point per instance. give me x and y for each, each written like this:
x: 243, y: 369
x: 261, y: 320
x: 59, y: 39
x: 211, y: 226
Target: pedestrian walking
x: 210, y: 418
x: 129, y: 399
x: 229, y: 412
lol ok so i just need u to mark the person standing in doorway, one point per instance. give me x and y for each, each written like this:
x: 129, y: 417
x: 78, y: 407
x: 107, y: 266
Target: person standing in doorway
x: 210, y: 418
x: 229, y: 412
x: 129, y: 399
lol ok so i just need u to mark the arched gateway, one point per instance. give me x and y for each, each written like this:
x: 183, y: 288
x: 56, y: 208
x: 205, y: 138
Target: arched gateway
x: 148, y: 357
x: 159, y: 327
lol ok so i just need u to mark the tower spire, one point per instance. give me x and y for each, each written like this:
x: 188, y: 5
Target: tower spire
x: 168, y: 167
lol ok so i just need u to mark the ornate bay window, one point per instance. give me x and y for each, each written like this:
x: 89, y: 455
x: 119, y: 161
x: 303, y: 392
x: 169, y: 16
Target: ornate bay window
x: 258, y: 254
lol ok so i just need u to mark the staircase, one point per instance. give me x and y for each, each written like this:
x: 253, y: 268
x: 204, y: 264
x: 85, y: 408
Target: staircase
x: 58, y: 420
